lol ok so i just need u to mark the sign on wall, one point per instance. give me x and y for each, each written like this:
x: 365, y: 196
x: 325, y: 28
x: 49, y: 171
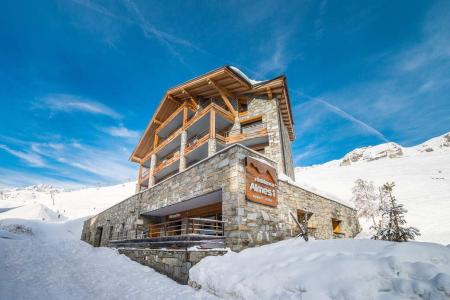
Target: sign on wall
x: 261, y: 182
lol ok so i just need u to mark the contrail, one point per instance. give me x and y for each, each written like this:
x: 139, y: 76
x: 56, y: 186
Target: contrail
x: 348, y: 117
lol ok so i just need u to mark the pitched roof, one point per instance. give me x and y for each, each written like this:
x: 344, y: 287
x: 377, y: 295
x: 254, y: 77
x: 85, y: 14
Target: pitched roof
x: 232, y: 80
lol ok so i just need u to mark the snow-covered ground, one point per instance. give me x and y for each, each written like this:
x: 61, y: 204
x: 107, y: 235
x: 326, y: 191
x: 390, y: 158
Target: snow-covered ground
x: 421, y: 174
x: 332, y: 269
x: 42, y: 257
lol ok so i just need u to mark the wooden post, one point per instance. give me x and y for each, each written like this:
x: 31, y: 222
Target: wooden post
x: 155, y: 141
x: 185, y: 116
x: 212, y: 123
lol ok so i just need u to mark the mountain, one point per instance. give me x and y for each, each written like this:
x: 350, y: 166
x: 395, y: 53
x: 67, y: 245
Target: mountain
x: 421, y: 174
x: 71, y: 204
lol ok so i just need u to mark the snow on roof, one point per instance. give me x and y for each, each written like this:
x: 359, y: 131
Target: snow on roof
x: 313, y: 189
x: 242, y: 74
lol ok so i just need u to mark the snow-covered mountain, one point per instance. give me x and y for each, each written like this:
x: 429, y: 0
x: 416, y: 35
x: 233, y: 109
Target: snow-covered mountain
x: 70, y: 204
x: 421, y: 174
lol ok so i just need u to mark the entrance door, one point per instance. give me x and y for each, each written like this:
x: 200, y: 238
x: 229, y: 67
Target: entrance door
x: 98, y: 237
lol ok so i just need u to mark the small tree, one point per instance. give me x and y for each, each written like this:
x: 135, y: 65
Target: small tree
x: 390, y: 227
x: 365, y: 199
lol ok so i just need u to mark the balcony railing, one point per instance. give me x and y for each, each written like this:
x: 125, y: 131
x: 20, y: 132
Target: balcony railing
x: 196, y: 141
x: 244, y: 133
x: 199, y: 226
x: 168, y: 160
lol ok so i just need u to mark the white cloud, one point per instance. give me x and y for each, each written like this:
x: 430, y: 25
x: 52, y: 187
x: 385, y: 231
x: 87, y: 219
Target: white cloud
x: 121, y: 131
x: 72, y: 103
x: 108, y: 164
x: 31, y: 158
x: 21, y: 178
x: 278, y: 58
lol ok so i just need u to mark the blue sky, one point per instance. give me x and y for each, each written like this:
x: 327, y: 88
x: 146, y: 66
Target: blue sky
x: 79, y: 80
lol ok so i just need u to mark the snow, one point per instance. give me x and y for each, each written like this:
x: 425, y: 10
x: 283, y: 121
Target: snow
x: 42, y: 256
x: 243, y: 75
x: 422, y: 179
x: 53, y: 263
x: 71, y: 204
x: 331, y: 269
x: 315, y: 190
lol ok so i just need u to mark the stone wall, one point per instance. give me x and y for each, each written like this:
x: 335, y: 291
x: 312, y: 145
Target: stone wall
x: 247, y: 224
x: 173, y: 263
x: 268, y: 109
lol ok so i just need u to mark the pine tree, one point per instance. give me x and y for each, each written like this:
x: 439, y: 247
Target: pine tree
x: 365, y: 199
x: 391, y: 226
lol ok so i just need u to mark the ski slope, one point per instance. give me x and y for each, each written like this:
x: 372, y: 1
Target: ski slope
x: 421, y: 174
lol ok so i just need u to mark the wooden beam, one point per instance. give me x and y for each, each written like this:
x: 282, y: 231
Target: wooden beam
x: 176, y: 101
x: 212, y: 124
x: 225, y: 95
x: 155, y: 141
x: 269, y: 93
x: 185, y: 116
x: 192, y: 98
x: 157, y: 122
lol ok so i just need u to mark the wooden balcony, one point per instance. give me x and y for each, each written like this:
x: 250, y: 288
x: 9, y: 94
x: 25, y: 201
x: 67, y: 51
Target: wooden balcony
x: 196, y: 142
x: 144, y: 179
x: 167, y: 161
x: 234, y: 136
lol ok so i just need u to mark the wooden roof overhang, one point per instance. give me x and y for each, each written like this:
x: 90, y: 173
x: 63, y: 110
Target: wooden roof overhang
x: 277, y: 87
x: 211, y: 85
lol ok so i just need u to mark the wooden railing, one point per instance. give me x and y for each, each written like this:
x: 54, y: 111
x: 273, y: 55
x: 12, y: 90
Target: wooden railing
x: 168, y: 160
x: 244, y: 133
x: 187, y: 226
x: 196, y: 141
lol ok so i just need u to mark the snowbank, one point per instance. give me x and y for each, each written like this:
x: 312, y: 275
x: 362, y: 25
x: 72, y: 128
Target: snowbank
x: 332, y: 269
x: 52, y: 263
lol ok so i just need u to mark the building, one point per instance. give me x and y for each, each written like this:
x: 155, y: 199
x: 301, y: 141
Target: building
x: 216, y: 170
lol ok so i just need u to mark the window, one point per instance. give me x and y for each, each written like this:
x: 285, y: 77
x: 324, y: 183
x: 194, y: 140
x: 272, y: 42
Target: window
x: 243, y: 106
x: 336, y: 225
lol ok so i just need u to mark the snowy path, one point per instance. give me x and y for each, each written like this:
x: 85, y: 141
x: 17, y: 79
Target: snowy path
x: 53, y: 264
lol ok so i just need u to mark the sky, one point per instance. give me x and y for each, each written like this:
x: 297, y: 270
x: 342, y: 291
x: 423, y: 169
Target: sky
x: 79, y: 79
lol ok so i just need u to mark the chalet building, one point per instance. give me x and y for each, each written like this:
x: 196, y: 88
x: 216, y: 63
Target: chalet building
x: 216, y: 171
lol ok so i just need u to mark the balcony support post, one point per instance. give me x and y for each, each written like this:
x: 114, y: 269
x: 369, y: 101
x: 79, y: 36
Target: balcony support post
x: 212, y: 146
x: 182, y: 149
x: 151, y: 177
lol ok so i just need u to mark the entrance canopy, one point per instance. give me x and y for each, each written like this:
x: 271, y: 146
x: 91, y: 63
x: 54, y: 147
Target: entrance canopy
x: 203, y: 200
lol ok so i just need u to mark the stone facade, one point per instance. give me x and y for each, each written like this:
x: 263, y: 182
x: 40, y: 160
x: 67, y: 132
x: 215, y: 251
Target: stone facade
x: 279, y: 147
x: 173, y: 263
x: 247, y: 224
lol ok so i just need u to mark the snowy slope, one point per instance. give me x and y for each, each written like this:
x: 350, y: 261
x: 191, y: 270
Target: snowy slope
x: 421, y: 174
x: 42, y: 256
x: 52, y: 263
x: 71, y: 204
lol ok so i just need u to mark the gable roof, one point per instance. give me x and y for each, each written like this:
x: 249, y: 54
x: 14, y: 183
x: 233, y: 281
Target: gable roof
x: 231, y: 79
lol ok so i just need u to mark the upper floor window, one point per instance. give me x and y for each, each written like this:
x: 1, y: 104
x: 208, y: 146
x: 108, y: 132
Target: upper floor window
x: 243, y: 106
